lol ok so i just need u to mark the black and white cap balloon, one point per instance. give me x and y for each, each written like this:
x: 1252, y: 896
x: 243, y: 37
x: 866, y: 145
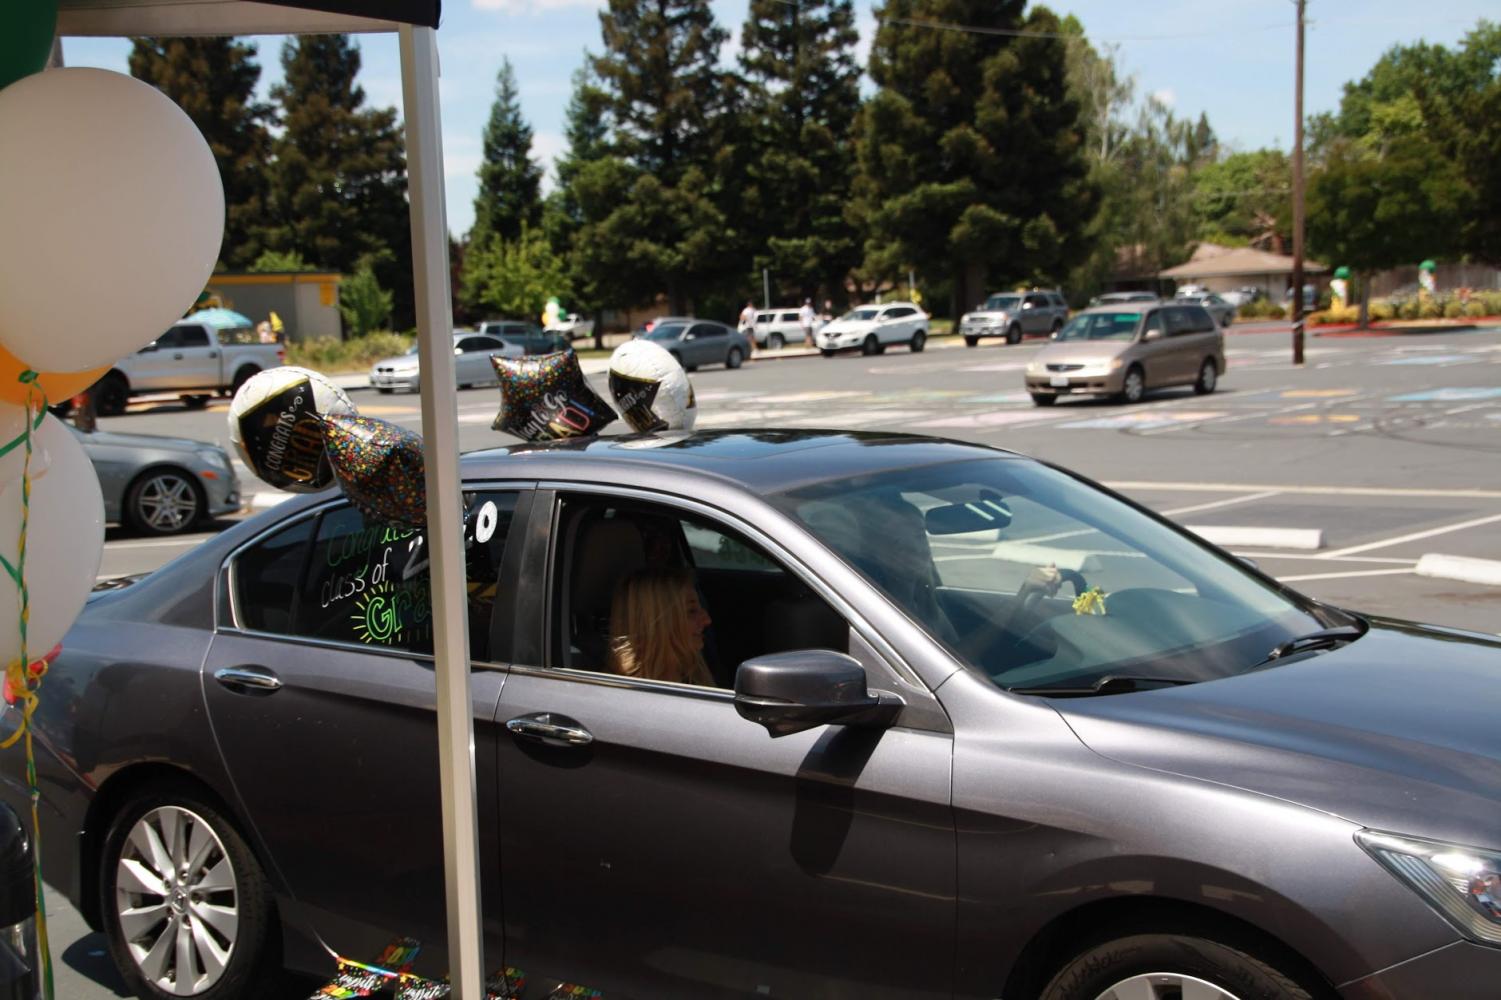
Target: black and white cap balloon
x: 650, y: 388
x: 275, y: 422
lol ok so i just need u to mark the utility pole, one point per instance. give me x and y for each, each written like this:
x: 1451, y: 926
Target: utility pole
x: 766, y: 287
x: 1298, y: 197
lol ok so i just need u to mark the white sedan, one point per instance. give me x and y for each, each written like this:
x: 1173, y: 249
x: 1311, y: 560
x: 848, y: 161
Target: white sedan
x: 471, y: 363
x: 874, y: 328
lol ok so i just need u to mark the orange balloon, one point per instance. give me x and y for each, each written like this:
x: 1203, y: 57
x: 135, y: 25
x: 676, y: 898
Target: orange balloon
x: 57, y: 385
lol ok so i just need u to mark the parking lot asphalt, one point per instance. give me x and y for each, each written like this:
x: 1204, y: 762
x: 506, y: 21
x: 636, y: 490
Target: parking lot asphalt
x: 1388, y: 449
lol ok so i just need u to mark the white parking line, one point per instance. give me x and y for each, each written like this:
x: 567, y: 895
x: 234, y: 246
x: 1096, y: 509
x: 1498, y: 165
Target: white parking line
x: 1343, y: 576
x: 1415, y: 536
x: 1211, y: 505
x: 1333, y: 491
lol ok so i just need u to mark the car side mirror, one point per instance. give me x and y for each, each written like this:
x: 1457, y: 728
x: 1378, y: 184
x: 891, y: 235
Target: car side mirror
x: 1026, y: 305
x: 1152, y: 334
x: 458, y: 350
x: 792, y: 692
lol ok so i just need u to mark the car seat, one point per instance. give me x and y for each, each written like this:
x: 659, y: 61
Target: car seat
x: 604, y: 550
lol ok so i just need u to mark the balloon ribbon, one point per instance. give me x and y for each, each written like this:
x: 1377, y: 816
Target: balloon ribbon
x: 23, y: 678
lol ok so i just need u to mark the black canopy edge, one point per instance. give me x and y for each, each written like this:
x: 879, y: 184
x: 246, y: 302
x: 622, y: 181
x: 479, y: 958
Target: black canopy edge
x: 423, y: 13
x: 114, y: 18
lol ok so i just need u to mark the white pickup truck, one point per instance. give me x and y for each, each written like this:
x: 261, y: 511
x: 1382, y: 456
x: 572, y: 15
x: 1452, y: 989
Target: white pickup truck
x: 191, y: 359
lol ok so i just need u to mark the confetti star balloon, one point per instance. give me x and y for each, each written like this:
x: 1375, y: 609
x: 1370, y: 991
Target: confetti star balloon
x: 547, y: 398
x: 380, y: 468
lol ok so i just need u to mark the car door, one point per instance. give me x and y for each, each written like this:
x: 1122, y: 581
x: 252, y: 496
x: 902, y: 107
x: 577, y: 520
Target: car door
x: 186, y: 356
x: 1202, y: 338
x: 319, y: 683
x: 472, y: 364
x: 1155, y: 353
x: 1036, y: 317
x: 706, y: 344
x: 1183, y: 338
x: 896, y: 325
x: 675, y: 849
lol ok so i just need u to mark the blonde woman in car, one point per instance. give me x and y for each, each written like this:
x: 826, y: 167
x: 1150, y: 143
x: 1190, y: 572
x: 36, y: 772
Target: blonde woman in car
x: 657, y: 628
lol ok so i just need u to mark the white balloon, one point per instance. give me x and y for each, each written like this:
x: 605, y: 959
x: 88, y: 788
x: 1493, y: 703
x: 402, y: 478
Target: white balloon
x: 112, y: 213
x: 64, y: 540
x: 650, y: 388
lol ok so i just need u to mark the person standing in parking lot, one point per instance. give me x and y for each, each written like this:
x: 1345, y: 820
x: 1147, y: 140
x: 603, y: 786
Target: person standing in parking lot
x: 805, y: 317
x: 748, y: 323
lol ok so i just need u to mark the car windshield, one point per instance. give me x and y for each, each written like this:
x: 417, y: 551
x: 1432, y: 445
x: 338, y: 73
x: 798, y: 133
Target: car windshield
x: 861, y: 314
x: 666, y: 331
x: 1101, y: 326
x: 1002, y: 303
x: 1038, y: 580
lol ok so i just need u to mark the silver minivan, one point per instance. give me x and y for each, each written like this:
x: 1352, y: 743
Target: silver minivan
x: 1126, y: 349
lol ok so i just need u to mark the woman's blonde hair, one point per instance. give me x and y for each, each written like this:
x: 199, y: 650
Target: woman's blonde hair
x: 650, y: 634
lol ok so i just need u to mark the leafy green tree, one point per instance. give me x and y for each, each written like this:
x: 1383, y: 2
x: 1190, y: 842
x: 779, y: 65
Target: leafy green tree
x: 510, y: 181
x: 666, y: 102
x: 515, y: 277
x: 1372, y: 212
x: 279, y: 261
x: 364, y: 304
x: 1246, y: 199
x: 213, y: 80
x: 587, y: 130
x: 801, y: 97
x: 337, y: 182
x: 973, y: 149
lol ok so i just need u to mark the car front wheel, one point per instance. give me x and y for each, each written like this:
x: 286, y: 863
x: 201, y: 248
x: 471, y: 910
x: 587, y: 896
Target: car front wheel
x: 733, y: 359
x: 186, y: 906
x: 163, y: 502
x: 1134, y: 387
x: 774, y: 342
x: 1153, y: 966
x: 1014, y: 334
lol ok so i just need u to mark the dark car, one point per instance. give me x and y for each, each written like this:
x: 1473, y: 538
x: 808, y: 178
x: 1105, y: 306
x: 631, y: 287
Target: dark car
x: 697, y: 342
x: 975, y: 727
x: 530, y: 337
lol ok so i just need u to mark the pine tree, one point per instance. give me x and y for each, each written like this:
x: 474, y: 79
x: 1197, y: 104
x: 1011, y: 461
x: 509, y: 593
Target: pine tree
x: 213, y: 80
x: 338, y: 178
x: 662, y: 227
x: 510, y: 181
x: 972, y: 149
x: 801, y: 100
x: 587, y: 129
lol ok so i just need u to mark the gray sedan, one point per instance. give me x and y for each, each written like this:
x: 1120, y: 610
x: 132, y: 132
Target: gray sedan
x: 964, y: 725
x: 161, y: 485
x: 696, y: 342
x: 1222, y: 311
x: 471, y: 363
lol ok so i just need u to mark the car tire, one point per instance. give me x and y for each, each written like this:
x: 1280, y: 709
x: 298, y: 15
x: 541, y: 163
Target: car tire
x: 245, y: 374
x: 1153, y: 964
x: 775, y: 342
x: 226, y: 882
x: 870, y: 345
x: 1208, y: 378
x: 1134, y: 386
x: 110, y: 395
x: 733, y: 358
x: 971, y: 341
x: 384, y: 390
x: 195, y: 402
x: 827, y: 352
x: 1014, y: 334
x: 1043, y: 399
x: 919, y: 341
x: 163, y: 502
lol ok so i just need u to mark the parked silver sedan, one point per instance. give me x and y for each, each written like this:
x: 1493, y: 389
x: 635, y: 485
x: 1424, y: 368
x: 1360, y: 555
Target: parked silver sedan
x: 1222, y: 310
x: 161, y: 485
x: 471, y: 363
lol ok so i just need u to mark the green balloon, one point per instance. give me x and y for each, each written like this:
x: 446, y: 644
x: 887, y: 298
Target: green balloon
x: 26, y: 30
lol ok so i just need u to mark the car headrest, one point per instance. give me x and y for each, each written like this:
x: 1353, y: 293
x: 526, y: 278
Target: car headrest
x: 604, y: 553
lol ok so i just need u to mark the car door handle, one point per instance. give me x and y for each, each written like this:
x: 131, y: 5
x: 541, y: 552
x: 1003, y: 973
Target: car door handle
x: 248, y: 680
x: 177, y: 357
x: 213, y: 354
x: 554, y: 730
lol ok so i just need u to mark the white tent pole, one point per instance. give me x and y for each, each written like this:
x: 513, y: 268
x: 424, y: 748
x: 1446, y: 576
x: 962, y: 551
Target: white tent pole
x: 440, y: 435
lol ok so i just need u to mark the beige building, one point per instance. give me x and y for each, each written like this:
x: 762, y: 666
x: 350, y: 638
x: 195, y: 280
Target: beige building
x: 306, y: 301
x: 1223, y: 269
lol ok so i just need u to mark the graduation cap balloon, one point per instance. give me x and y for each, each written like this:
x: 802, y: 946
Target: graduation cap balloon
x: 547, y: 398
x: 380, y: 467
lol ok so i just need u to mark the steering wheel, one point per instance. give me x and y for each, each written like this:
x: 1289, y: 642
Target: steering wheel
x: 1033, y: 596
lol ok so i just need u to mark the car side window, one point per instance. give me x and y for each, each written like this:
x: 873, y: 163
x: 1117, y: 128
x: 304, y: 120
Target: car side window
x: 471, y: 344
x: 1177, y: 321
x: 1200, y: 320
x: 789, y: 317
x: 705, y: 330
x: 900, y: 312
x: 1153, y: 321
x: 172, y: 338
x: 353, y: 581
x: 604, y: 546
x: 193, y: 336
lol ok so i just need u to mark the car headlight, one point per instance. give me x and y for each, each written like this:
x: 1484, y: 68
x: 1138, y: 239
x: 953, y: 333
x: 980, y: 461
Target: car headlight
x: 214, y: 457
x: 1462, y: 883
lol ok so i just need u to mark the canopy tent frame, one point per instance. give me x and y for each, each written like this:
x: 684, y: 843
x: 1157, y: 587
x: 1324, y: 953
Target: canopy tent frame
x: 415, y: 22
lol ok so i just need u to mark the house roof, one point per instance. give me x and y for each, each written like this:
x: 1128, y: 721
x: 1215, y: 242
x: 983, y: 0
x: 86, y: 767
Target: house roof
x: 1241, y: 260
x: 217, y: 17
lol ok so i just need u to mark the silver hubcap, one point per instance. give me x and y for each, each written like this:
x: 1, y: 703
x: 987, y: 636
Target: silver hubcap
x: 1165, y: 986
x: 1133, y: 386
x: 167, y: 502
x: 1207, y: 376
x: 175, y: 900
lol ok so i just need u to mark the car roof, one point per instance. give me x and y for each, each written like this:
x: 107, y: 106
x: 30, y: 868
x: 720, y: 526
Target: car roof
x: 1118, y: 307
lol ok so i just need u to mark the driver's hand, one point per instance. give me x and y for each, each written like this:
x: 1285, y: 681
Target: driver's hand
x: 1046, y: 579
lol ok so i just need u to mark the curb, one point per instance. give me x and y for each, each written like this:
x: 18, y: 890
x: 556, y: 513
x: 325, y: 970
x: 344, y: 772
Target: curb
x: 1464, y: 568
x: 1392, y: 331
x: 1304, y: 539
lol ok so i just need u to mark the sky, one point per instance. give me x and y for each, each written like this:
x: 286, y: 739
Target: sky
x: 1232, y: 59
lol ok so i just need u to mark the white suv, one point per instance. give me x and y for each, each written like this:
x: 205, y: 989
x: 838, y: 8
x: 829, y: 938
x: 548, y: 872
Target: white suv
x: 873, y: 328
x: 777, y: 328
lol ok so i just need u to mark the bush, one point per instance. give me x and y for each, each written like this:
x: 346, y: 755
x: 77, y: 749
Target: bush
x: 1475, y: 309
x: 1453, y: 309
x: 1380, y: 309
x: 332, y: 356
x: 1334, y: 317
x: 1490, y: 302
x: 1275, y: 311
x: 1429, y: 309
x: 1408, y: 309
